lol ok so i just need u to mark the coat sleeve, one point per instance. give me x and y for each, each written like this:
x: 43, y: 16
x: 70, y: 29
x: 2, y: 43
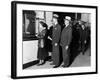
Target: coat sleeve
x: 58, y: 34
x: 69, y: 37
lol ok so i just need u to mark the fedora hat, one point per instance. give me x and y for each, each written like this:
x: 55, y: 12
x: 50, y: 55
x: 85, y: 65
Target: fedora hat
x: 55, y: 16
x: 67, y: 18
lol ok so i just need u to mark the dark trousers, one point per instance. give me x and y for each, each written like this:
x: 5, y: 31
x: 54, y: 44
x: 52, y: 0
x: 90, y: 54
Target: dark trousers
x: 66, y: 56
x: 82, y: 45
x: 55, y: 55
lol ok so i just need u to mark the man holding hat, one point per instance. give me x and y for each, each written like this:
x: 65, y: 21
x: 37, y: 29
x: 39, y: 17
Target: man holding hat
x: 55, y: 41
x: 65, y: 41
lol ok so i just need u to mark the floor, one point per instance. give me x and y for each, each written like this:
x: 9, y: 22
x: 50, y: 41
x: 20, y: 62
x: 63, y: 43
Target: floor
x: 80, y: 60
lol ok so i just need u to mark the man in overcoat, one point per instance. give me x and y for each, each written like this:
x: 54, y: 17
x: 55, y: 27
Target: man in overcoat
x: 66, y: 37
x: 83, y: 36
x: 55, y: 41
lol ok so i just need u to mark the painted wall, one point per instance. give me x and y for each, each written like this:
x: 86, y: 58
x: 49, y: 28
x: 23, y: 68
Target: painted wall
x: 30, y: 51
x: 49, y: 18
x: 86, y: 17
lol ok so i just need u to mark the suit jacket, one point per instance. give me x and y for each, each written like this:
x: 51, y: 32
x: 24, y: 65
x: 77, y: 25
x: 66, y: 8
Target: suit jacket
x: 56, y: 34
x: 50, y: 32
x: 66, y: 36
x: 83, y: 34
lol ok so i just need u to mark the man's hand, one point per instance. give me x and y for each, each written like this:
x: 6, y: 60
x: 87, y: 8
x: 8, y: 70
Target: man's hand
x: 66, y: 47
x: 49, y: 38
x: 85, y: 41
x: 56, y: 44
x: 36, y: 34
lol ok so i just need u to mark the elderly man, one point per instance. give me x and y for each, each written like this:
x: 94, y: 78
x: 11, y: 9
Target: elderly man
x: 65, y: 41
x: 55, y: 41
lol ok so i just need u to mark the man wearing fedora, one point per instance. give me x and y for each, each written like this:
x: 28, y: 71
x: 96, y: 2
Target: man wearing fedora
x: 65, y: 41
x: 55, y: 41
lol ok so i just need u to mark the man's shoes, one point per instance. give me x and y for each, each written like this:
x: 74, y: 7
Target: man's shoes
x: 83, y: 52
x: 40, y: 63
x: 79, y: 49
x: 55, y: 66
x: 50, y: 60
x: 51, y: 64
x: 64, y: 66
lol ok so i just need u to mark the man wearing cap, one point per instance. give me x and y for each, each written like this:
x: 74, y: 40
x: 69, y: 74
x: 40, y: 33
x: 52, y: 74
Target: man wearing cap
x: 65, y: 41
x: 83, y: 36
x: 55, y: 41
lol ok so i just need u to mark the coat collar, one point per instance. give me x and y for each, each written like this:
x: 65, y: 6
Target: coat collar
x: 67, y: 27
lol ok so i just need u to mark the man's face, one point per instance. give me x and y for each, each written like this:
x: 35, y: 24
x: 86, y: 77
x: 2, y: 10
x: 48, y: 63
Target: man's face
x: 83, y: 26
x: 66, y: 22
x: 54, y: 20
x: 40, y: 27
x: 80, y: 22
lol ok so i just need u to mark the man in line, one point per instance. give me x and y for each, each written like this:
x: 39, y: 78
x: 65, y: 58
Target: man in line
x: 55, y: 41
x: 49, y: 42
x: 83, y: 36
x: 65, y: 41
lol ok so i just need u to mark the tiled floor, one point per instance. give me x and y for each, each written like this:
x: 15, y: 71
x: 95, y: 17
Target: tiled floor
x: 80, y: 60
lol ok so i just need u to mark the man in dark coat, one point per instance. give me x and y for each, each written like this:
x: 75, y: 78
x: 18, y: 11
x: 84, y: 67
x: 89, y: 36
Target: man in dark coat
x: 55, y: 41
x: 50, y: 39
x: 65, y: 41
x: 83, y: 36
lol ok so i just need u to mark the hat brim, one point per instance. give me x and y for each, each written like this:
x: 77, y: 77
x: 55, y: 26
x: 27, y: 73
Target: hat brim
x: 55, y: 17
x: 67, y: 19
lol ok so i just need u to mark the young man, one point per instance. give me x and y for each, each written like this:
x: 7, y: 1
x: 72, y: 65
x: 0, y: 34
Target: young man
x: 55, y: 41
x: 83, y: 36
x: 65, y: 41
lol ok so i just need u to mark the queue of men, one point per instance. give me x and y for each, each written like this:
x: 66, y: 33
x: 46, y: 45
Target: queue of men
x: 62, y: 40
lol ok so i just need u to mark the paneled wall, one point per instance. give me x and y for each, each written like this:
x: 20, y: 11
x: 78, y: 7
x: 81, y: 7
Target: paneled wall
x: 49, y: 18
x: 86, y: 17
